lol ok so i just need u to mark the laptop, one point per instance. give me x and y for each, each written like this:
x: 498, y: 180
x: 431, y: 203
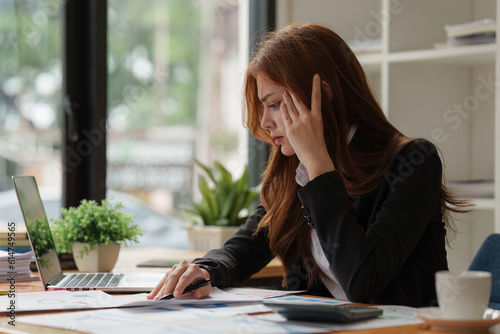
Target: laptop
x: 49, y: 267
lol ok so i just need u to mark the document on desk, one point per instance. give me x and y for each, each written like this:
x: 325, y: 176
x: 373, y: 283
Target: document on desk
x: 71, y: 300
x: 209, y: 318
x: 213, y: 319
x: 164, y: 319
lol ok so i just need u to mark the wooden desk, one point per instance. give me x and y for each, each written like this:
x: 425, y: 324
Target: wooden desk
x: 37, y: 286
x: 127, y: 261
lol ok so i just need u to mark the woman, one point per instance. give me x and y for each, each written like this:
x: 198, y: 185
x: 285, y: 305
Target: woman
x: 353, y: 208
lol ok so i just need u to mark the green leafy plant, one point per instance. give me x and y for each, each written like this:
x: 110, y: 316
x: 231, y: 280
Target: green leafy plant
x: 224, y: 202
x: 94, y: 224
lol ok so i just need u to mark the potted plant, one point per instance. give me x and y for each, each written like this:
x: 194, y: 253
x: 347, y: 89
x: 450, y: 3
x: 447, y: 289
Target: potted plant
x: 223, y: 207
x: 94, y: 233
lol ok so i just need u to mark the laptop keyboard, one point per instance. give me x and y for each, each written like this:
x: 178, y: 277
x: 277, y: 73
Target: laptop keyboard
x: 93, y: 280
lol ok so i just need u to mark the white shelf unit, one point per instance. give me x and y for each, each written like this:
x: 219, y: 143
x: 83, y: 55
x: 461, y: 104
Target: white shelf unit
x: 447, y: 95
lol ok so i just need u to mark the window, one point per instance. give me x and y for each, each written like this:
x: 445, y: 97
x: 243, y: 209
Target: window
x: 175, y: 71
x: 175, y: 74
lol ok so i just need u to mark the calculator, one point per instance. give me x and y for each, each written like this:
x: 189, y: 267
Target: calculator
x: 322, y: 312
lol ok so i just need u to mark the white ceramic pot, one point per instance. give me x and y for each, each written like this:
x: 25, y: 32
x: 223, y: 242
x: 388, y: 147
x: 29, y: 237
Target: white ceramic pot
x: 205, y: 238
x: 102, y: 258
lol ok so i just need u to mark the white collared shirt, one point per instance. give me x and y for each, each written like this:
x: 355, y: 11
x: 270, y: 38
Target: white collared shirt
x: 329, y: 280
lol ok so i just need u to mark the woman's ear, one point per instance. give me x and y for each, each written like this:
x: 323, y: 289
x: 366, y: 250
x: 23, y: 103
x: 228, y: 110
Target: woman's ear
x: 326, y: 89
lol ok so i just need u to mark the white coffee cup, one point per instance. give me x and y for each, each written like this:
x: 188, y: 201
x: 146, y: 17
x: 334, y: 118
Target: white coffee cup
x: 463, y: 295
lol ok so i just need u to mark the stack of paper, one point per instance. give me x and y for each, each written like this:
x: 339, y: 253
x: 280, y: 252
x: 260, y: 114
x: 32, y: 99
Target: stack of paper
x: 17, y: 238
x: 15, y: 266
x: 475, y: 32
x: 97, y: 299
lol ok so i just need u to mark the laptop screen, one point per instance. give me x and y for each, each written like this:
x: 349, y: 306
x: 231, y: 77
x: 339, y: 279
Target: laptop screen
x: 37, y: 227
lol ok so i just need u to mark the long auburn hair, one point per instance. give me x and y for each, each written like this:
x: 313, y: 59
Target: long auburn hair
x: 289, y: 58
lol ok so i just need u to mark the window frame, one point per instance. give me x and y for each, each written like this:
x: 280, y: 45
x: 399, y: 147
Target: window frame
x: 262, y: 19
x: 84, y: 101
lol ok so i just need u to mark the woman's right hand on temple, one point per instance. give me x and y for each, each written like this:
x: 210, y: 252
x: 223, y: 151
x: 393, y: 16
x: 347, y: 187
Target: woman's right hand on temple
x: 178, y: 278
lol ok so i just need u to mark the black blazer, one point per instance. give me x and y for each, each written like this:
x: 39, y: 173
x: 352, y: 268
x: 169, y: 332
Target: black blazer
x: 384, y: 248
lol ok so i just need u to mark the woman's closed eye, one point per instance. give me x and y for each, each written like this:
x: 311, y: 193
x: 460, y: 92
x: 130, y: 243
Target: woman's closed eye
x: 275, y: 106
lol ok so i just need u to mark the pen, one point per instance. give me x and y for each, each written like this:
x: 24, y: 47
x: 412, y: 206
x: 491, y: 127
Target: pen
x: 190, y: 287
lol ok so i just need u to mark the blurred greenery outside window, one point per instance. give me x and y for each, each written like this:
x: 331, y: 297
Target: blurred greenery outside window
x: 175, y: 72
x: 30, y: 91
x: 174, y: 93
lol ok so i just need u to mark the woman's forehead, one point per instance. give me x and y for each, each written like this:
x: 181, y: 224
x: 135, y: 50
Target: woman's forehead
x: 266, y: 88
